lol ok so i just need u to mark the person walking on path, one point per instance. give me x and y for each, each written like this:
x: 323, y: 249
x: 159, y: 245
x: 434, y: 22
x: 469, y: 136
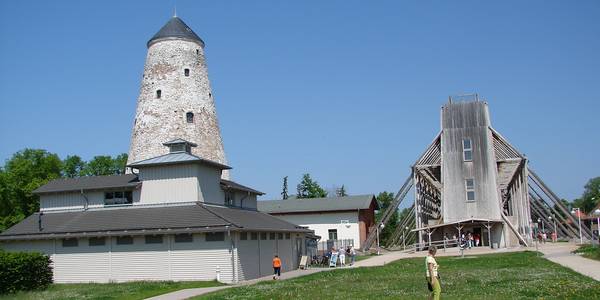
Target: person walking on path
x: 276, y: 267
x: 431, y: 271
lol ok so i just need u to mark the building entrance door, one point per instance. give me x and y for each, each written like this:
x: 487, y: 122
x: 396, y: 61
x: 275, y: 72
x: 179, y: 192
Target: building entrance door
x: 477, y: 233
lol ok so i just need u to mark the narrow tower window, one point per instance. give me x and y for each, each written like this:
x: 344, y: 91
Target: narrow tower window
x: 158, y: 94
x: 470, y: 188
x: 197, y: 51
x: 186, y: 72
x: 189, y: 117
x: 467, y: 150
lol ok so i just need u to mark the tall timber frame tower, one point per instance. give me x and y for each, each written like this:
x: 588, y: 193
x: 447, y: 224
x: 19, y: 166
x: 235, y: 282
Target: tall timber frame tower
x: 471, y: 179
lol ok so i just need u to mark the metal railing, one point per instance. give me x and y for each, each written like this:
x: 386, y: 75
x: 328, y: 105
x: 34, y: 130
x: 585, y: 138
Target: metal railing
x: 324, y: 246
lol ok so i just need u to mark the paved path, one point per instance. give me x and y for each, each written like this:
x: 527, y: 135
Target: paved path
x: 188, y: 293
x: 375, y: 261
x: 561, y: 253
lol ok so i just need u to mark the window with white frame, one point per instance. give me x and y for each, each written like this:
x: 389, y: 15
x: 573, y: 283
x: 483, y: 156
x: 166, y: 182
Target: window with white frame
x: 333, y: 234
x: 467, y: 150
x: 470, y: 188
x: 118, y: 198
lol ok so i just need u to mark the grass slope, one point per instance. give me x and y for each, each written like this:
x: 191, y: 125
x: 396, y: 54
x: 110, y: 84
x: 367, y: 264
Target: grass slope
x: 126, y: 291
x: 521, y: 275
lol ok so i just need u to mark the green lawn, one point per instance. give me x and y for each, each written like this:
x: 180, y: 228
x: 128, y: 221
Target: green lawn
x: 522, y: 275
x: 126, y: 291
x: 589, y: 251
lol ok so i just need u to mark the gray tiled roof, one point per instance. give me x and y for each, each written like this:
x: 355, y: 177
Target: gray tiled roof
x: 252, y: 220
x: 318, y: 204
x: 236, y: 186
x: 88, y: 183
x: 192, y: 217
x: 176, y: 158
x: 176, y: 28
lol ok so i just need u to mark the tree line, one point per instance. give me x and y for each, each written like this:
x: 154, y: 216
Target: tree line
x: 29, y: 169
x: 309, y: 188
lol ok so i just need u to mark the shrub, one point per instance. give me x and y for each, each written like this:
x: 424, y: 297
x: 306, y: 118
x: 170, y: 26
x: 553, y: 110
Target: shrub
x: 21, y: 271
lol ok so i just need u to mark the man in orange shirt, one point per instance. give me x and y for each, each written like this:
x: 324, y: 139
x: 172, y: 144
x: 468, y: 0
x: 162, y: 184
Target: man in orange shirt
x: 276, y: 267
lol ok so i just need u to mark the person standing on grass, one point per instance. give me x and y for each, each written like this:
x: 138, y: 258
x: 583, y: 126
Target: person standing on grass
x: 276, y: 267
x: 433, y: 279
x: 352, y: 254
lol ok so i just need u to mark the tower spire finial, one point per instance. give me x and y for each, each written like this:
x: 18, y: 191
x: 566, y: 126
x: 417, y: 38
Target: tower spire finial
x: 175, y: 11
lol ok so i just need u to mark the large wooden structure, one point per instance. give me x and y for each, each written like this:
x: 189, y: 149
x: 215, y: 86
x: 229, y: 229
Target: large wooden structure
x: 471, y: 179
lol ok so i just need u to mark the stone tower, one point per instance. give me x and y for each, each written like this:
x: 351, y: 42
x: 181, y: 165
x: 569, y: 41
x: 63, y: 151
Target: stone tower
x: 175, y: 98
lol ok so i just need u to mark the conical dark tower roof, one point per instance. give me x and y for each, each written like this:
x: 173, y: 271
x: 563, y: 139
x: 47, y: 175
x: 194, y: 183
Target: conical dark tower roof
x: 175, y: 29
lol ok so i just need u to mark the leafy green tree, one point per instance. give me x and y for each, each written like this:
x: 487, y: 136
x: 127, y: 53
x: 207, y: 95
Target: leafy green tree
x: 73, y: 166
x: 591, y: 196
x: 120, y: 163
x: 99, y: 165
x: 106, y: 165
x: 385, y: 199
x: 24, y: 172
x: 309, y: 188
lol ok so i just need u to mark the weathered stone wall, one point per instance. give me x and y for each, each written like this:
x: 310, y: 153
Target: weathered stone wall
x: 162, y: 119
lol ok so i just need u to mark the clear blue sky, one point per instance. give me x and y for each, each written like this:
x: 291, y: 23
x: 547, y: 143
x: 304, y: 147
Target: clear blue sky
x: 348, y: 91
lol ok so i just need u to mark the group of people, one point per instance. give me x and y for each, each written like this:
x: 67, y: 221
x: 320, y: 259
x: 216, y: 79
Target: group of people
x: 542, y: 237
x: 466, y: 240
x: 335, y: 255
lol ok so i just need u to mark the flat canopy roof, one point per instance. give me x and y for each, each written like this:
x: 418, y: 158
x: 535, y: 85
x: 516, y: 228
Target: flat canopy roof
x: 470, y: 220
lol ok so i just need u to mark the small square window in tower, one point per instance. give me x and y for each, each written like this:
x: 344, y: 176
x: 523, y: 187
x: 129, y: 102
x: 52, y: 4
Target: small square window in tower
x: 470, y: 188
x: 158, y: 94
x: 186, y: 72
x: 189, y: 117
x: 467, y: 150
